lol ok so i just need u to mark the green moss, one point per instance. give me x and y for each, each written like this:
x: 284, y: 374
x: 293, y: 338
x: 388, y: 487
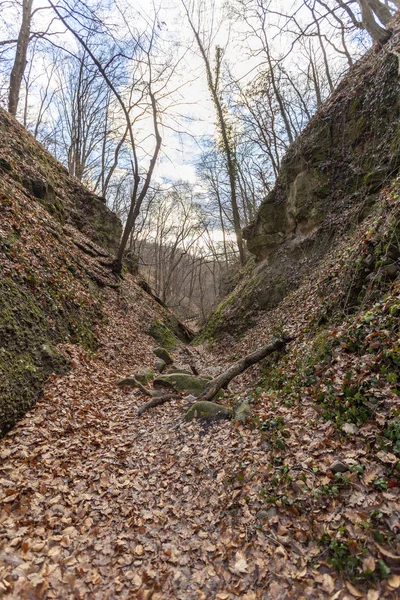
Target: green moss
x: 355, y: 106
x: 209, y: 411
x: 181, y: 382
x: 374, y: 180
x: 25, y: 360
x: 31, y: 324
x: 163, y: 335
x: 216, y: 322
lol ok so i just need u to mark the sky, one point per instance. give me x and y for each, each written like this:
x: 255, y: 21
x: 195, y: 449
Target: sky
x: 191, y: 118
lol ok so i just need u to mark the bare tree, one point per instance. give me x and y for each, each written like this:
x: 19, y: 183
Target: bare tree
x: 213, y: 79
x: 140, y: 98
x: 17, y: 71
x: 370, y: 9
x: 178, y: 254
x: 25, y: 36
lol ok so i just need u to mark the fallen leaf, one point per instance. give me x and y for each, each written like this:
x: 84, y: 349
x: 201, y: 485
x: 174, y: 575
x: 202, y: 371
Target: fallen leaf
x: 394, y: 581
x: 353, y: 590
x: 387, y: 457
x: 139, y: 550
x: 369, y: 564
x: 350, y: 428
x: 240, y: 565
x: 326, y: 581
x: 390, y: 558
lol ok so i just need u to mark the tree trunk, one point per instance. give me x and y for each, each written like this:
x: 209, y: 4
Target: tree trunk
x: 19, y: 65
x: 157, y: 401
x: 230, y: 160
x: 241, y: 365
x: 381, y: 10
x: 378, y: 33
x: 213, y: 85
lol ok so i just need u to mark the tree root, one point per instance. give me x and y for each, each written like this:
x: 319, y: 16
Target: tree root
x: 222, y: 380
x: 157, y: 402
x: 241, y: 365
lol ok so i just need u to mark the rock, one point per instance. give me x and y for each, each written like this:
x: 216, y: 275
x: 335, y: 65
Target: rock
x: 5, y: 165
x: 180, y: 382
x: 243, y: 412
x: 164, y: 336
x: 265, y: 515
x: 160, y: 365
x: 208, y: 410
x: 164, y: 355
x: 391, y: 271
x: 179, y: 370
x: 190, y: 398
x: 338, y: 467
x: 126, y: 382
x: 144, y: 376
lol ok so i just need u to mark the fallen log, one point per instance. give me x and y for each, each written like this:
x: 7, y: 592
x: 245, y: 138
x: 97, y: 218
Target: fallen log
x: 221, y: 381
x: 131, y: 381
x: 157, y: 401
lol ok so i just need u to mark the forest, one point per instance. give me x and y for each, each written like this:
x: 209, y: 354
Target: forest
x: 200, y: 299
x: 130, y: 110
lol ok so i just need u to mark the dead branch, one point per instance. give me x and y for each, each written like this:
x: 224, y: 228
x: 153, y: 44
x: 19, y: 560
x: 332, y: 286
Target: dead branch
x: 156, y: 402
x: 241, y: 365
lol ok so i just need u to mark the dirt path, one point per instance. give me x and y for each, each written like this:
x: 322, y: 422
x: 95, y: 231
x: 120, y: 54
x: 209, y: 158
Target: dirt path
x: 97, y: 503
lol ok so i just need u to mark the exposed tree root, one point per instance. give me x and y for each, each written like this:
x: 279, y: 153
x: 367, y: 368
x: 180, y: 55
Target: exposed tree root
x: 224, y: 379
x: 241, y: 365
x: 157, y: 402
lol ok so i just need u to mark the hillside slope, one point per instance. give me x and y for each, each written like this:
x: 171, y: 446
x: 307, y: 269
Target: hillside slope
x: 54, y: 273
x: 329, y: 182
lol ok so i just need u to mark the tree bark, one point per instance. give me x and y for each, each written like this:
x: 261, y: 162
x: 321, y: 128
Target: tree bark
x: 19, y: 65
x: 381, y: 10
x: 156, y: 402
x: 241, y: 365
x: 379, y: 34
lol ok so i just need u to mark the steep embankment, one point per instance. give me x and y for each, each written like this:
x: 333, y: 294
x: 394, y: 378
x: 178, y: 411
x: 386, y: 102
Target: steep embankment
x: 328, y: 274
x: 330, y: 179
x: 55, y: 239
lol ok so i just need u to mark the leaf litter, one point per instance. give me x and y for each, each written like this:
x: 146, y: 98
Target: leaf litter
x: 98, y: 503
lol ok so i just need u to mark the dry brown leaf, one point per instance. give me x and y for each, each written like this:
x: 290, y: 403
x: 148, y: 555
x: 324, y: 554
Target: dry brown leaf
x: 54, y: 551
x: 353, y: 590
x: 240, y: 565
x: 394, y: 581
x: 390, y: 558
x: 387, y: 457
x: 326, y: 581
x: 139, y: 550
x: 369, y: 564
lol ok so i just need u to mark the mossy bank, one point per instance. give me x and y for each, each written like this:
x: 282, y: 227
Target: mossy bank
x: 329, y: 182
x: 51, y: 275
